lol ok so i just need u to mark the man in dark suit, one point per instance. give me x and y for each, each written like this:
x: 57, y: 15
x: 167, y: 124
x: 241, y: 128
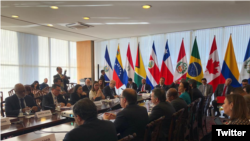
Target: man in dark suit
x: 110, y: 90
x: 221, y: 90
x: 176, y: 102
x: 244, y: 82
x: 102, y: 77
x: 176, y: 83
x: 162, y: 85
x: 63, y: 77
x: 54, y: 98
x: 87, y: 87
x: 90, y: 128
x: 161, y: 108
x: 196, y: 93
x: 143, y: 88
x: 44, y: 84
x: 131, y: 84
x: 19, y: 102
x: 133, y: 118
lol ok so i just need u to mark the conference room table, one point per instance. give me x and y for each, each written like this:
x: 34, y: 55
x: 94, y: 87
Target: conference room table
x: 33, y: 124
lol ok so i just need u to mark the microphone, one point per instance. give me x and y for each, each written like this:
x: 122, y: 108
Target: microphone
x: 65, y: 72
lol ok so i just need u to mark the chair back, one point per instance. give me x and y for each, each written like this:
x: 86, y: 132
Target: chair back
x: 70, y: 86
x: 155, y: 127
x: 11, y: 92
x: 175, y: 126
x: 46, y: 89
x: 128, y: 138
x: 2, y: 102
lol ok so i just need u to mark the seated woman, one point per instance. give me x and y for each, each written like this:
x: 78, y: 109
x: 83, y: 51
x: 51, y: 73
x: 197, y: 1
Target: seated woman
x: 28, y: 91
x: 95, y: 93
x: 183, y: 89
x: 101, y: 84
x: 235, y: 106
x: 35, y: 85
x: 77, y: 94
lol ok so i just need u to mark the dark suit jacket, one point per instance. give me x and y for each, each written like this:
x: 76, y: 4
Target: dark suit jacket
x: 196, y: 93
x: 178, y: 104
x: 165, y: 87
x: 103, y: 80
x: 65, y: 81
x: 219, y: 90
x: 86, y: 90
x: 43, y: 85
x: 134, y: 86
x: 147, y: 87
x: 12, y: 105
x: 173, y: 85
x: 159, y: 110
x: 48, y: 102
x: 74, y: 98
x: 107, y: 92
x: 93, y: 130
x: 132, y: 119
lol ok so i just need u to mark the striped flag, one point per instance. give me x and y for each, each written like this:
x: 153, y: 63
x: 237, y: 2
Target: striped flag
x: 129, y: 70
x: 118, y: 69
x: 107, y: 67
x: 245, y: 71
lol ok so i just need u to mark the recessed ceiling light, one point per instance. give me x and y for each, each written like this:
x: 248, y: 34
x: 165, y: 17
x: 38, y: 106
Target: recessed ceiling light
x: 14, y: 16
x: 86, y: 18
x: 146, y: 6
x: 53, y: 7
x: 49, y: 24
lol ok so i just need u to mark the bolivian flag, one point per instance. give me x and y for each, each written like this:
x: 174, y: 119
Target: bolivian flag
x: 195, y: 68
x: 140, y: 71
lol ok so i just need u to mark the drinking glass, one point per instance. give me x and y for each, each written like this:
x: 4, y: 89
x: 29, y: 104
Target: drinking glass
x: 108, y: 98
x: 27, y: 110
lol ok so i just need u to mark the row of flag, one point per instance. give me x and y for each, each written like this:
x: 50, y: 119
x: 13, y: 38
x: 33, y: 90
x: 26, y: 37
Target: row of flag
x: 213, y: 73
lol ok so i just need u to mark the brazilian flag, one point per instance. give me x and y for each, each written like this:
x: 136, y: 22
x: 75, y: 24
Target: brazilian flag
x: 195, y: 68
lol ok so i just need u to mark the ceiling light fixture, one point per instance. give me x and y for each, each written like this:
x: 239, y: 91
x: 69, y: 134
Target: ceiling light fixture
x: 49, y: 24
x: 86, y: 18
x: 14, y: 16
x: 53, y: 7
x: 146, y: 6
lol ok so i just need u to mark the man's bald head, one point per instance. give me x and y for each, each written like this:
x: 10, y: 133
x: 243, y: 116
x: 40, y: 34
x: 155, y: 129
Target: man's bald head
x: 45, y: 80
x: 87, y: 82
x: 19, y: 90
x: 130, y: 95
x: 172, y: 94
x: 112, y: 83
x: 143, y: 81
x: 228, y: 81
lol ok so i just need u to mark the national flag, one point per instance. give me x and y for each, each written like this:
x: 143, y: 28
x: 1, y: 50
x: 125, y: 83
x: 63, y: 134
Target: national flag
x: 129, y: 70
x: 213, y: 70
x: 195, y: 68
x: 140, y: 71
x: 245, y: 71
x: 154, y: 72
x: 107, y: 66
x: 229, y: 67
x: 118, y: 69
x: 166, y: 67
x: 181, y: 67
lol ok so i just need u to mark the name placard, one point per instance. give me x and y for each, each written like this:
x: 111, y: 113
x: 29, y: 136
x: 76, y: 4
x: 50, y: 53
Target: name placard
x: 43, y: 113
x: 50, y: 137
x: 5, y: 121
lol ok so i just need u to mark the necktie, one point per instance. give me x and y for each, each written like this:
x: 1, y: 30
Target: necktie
x: 22, y: 103
x: 142, y: 89
x: 224, y: 91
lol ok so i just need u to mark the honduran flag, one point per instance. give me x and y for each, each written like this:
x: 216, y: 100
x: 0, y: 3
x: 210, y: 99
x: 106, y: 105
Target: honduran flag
x: 107, y: 67
x: 245, y: 71
x: 229, y: 67
x: 118, y: 69
x: 166, y: 67
x: 153, y: 76
x: 129, y: 70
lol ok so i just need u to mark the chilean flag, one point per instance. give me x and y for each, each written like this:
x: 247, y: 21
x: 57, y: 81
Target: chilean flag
x: 153, y: 77
x: 118, y: 69
x: 129, y: 70
x: 166, y: 67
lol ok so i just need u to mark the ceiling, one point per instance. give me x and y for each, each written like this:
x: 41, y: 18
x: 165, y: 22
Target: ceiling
x: 119, y: 19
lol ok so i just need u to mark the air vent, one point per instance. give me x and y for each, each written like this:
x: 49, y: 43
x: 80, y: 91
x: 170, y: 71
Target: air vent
x: 78, y: 25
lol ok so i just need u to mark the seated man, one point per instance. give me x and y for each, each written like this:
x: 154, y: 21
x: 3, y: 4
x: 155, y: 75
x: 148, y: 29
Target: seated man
x: 54, y: 98
x: 89, y: 127
x: 161, y: 108
x: 133, y: 118
x: 196, y: 93
x: 110, y: 90
x: 19, y: 102
x: 206, y: 89
x: 173, y: 98
x: 221, y: 90
x: 244, y: 82
x: 87, y: 87
x: 64, y: 94
x: 44, y: 84
x: 131, y: 84
x: 162, y: 85
x: 144, y: 88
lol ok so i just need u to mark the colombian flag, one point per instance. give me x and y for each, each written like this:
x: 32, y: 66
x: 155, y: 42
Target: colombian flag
x: 195, y: 68
x: 229, y: 67
x: 118, y: 69
x: 140, y: 71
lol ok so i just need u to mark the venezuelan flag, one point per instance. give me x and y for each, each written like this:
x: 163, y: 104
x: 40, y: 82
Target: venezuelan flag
x: 195, y: 68
x: 229, y: 67
x: 118, y: 69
